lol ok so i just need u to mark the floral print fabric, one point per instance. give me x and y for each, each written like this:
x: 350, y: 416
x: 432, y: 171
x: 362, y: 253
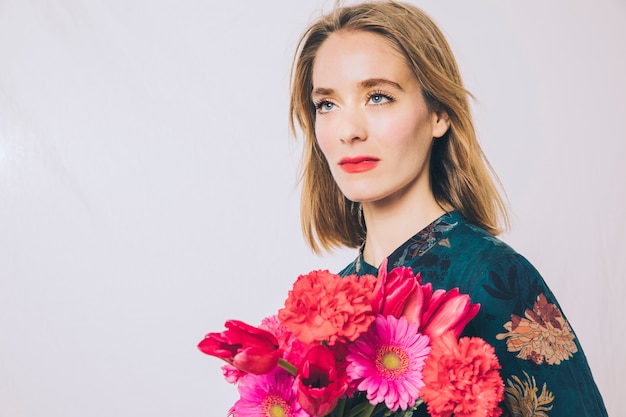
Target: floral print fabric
x: 525, y: 400
x: 544, y: 367
x: 542, y: 335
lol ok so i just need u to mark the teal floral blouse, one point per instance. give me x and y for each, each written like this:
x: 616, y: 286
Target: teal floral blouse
x: 544, y: 369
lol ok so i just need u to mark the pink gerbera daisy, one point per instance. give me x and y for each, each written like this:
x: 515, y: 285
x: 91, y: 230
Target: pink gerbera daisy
x: 387, y: 362
x: 268, y: 395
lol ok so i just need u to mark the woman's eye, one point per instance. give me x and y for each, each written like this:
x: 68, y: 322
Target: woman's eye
x: 324, y: 106
x: 378, y: 99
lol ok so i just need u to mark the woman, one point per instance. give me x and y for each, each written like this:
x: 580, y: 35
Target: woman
x: 392, y: 166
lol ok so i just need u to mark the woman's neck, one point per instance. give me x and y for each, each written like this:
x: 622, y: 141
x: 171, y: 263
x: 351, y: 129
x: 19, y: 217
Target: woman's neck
x: 390, y: 224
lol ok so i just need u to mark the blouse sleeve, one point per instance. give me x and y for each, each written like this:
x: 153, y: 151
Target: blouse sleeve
x: 544, y: 369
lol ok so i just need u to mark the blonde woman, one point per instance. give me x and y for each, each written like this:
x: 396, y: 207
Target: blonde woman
x: 392, y: 166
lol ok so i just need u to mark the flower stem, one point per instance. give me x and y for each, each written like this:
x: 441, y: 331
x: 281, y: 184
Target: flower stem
x: 367, y: 412
x: 287, y: 366
x: 340, y: 407
x: 363, y: 409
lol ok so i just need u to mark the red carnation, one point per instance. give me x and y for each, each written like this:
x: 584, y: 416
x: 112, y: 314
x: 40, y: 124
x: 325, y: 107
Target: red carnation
x: 325, y: 307
x: 462, y: 378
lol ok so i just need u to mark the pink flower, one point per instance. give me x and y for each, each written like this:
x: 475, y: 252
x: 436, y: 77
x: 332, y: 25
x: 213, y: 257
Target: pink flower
x: 394, y: 290
x: 293, y: 349
x: 323, y: 307
x: 268, y: 395
x: 462, y: 378
x: 387, y: 362
x: 446, y: 310
x: 400, y: 293
x: 247, y: 348
x: 321, y: 382
x: 232, y: 375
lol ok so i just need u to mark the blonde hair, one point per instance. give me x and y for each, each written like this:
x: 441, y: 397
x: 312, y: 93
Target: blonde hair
x: 460, y: 174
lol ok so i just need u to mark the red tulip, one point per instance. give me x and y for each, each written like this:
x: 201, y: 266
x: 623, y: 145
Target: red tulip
x: 247, y: 348
x: 394, y: 290
x: 445, y: 310
x: 320, y: 382
x: 400, y: 293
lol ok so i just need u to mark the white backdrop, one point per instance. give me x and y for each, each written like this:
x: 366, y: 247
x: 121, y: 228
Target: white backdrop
x: 147, y: 182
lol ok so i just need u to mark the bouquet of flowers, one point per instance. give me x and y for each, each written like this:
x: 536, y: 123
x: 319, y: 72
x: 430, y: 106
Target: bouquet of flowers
x: 360, y: 347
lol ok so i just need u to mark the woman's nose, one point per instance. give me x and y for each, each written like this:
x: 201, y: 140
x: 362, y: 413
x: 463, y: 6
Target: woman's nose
x: 352, y: 126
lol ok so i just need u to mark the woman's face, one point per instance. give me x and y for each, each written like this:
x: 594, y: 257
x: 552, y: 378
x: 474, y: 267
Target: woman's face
x: 372, y: 122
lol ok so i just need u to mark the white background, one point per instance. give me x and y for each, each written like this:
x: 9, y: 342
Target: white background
x: 148, y: 193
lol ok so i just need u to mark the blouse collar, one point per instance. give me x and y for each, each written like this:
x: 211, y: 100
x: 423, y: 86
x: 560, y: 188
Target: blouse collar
x: 415, y: 246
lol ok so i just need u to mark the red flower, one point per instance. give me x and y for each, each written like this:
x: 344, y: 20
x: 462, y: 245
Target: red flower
x: 325, y: 307
x: 400, y: 293
x: 247, y: 348
x: 441, y: 311
x: 321, y: 382
x: 395, y: 290
x: 462, y: 378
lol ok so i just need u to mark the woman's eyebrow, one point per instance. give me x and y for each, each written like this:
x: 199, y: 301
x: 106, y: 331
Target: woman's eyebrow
x: 322, y: 91
x: 369, y: 83
x: 374, y: 82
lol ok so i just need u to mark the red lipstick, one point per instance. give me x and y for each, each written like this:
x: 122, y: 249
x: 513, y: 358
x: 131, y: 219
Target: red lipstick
x: 358, y: 164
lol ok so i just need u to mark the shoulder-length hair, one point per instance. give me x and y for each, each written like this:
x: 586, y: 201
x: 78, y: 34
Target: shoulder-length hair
x: 460, y: 175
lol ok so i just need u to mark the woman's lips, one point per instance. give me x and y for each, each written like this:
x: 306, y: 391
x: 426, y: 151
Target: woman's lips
x: 358, y: 164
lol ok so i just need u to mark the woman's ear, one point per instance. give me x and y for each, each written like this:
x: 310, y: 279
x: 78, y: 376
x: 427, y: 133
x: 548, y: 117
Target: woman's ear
x: 441, y: 123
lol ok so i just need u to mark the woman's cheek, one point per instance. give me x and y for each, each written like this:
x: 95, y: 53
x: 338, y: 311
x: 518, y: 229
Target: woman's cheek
x: 322, y: 136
